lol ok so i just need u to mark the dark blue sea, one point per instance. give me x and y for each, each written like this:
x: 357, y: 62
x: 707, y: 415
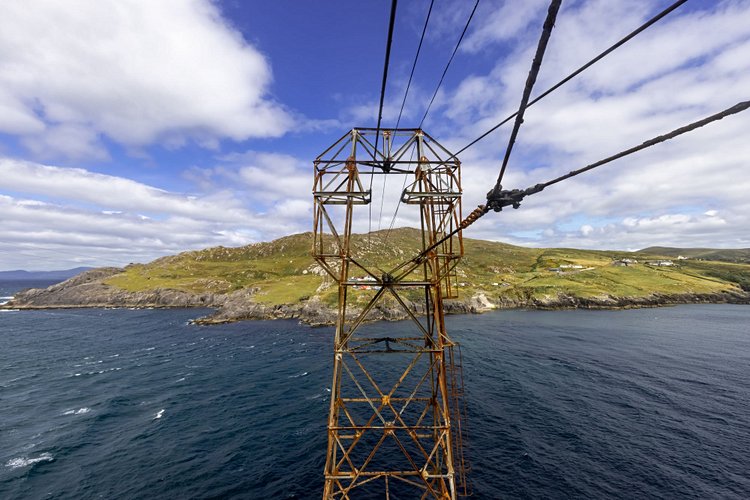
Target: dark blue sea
x: 649, y: 403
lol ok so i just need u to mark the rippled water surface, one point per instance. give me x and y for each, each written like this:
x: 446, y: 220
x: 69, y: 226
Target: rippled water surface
x: 138, y: 404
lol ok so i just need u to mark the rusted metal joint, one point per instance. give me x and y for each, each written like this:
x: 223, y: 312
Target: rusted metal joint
x: 389, y: 428
x: 351, y: 164
x: 474, y: 216
x: 387, y: 164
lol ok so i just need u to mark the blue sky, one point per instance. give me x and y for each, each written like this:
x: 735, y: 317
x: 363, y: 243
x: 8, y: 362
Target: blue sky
x: 132, y: 129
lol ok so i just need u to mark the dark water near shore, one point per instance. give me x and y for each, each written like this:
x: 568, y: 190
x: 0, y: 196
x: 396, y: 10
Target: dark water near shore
x: 566, y: 404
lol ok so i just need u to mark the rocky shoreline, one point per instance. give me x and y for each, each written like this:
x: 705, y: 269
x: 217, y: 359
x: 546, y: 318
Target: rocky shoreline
x: 88, y: 290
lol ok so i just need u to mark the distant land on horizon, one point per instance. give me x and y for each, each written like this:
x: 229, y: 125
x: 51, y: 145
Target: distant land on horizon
x: 718, y: 254
x: 21, y: 275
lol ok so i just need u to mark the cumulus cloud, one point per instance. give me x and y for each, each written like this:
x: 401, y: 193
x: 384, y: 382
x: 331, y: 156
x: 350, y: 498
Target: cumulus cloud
x: 274, y: 176
x: 135, y: 72
x: 64, y: 217
x: 504, y: 20
x: 112, y: 192
x: 265, y: 179
x: 276, y: 186
x: 42, y: 235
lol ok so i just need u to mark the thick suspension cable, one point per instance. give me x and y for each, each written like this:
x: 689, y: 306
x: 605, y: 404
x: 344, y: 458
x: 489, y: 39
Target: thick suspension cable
x: 536, y: 64
x: 414, y: 65
x: 514, y: 197
x: 388, y: 44
x: 442, y: 77
x: 401, y: 112
x: 737, y: 108
x: 580, y: 70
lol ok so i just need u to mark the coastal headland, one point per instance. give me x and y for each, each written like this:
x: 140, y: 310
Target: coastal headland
x: 279, y: 279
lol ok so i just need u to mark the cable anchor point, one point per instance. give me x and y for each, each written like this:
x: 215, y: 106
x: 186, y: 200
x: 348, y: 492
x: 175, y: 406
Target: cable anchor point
x: 498, y: 198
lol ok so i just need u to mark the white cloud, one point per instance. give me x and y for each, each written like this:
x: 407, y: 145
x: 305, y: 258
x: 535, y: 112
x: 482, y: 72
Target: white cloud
x: 278, y: 187
x: 683, y: 229
x: 17, y: 118
x: 70, y: 140
x: 136, y: 72
x: 503, y: 20
x: 68, y: 217
x: 275, y: 176
x: 38, y: 235
x: 111, y: 192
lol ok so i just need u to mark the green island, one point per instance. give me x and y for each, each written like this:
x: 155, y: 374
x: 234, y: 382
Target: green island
x: 279, y: 279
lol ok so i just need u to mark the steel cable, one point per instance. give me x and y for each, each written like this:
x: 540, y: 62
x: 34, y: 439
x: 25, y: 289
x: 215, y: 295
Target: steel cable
x: 515, y: 196
x: 580, y: 70
x: 388, y: 44
x: 442, y: 77
x: 414, y: 65
x: 737, y: 108
x: 440, y: 83
x: 536, y: 64
x: 398, y: 121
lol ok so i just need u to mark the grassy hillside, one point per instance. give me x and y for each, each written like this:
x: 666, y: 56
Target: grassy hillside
x: 283, y: 272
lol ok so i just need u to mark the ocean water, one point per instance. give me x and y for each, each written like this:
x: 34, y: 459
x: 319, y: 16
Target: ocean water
x: 562, y: 404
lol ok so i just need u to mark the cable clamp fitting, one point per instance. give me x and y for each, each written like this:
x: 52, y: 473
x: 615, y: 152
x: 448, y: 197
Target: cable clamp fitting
x: 498, y: 197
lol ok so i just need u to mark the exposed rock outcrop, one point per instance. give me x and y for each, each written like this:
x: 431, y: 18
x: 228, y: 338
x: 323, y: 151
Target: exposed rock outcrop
x: 89, y: 290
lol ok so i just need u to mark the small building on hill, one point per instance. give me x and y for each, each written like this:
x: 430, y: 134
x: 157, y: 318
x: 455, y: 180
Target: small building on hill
x: 624, y: 262
x: 660, y: 263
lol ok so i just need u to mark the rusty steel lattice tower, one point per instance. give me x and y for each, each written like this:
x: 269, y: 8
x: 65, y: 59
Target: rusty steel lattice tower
x: 396, y: 408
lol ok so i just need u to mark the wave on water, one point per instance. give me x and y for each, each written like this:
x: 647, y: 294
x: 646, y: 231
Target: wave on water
x: 8, y: 310
x: 5, y: 300
x: 16, y: 463
x: 98, y: 372
x: 303, y: 374
x: 159, y: 414
x: 80, y: 411
x: 322, y: 394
